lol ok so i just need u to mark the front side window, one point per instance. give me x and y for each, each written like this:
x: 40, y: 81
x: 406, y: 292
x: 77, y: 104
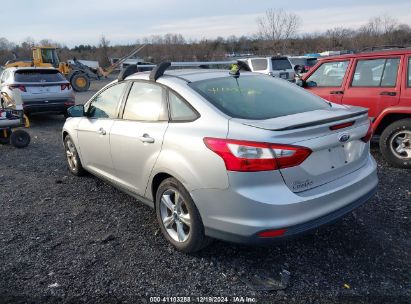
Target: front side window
x: 105, y: 104
x: 145, y: 102
x: 257, y: 97
x: 49, y: 56
x: 329, y: 74
x: 376, y: 73
x: 259, y: 64
x: 179, y: 109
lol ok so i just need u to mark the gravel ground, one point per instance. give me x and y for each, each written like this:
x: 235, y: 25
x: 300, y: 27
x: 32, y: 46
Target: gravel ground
x: 70, y: 239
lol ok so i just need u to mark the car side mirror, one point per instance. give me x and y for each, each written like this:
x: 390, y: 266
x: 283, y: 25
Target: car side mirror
x: 311, y: 84
x: 76, y: 111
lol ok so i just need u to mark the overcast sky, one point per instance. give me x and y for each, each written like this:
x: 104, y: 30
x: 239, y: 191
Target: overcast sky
x: 123, y: 21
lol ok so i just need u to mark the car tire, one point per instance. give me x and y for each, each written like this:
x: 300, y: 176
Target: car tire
x: 73, y: 160
x: 20, y: 139
x: 395, y: 143
x: 186, y: 238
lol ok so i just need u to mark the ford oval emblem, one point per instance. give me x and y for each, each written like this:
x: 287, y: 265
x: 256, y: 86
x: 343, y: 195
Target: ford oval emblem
x: 344, y: 137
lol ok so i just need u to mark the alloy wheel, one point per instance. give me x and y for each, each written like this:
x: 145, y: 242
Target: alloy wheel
x: 175, y: 216
x: 71, y: 154
x: 400, y: 144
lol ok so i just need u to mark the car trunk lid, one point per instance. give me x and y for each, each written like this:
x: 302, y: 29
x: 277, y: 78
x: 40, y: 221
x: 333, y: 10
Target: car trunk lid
x: 334, y: 137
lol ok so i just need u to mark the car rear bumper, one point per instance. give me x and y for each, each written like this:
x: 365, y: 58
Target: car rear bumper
x: 47, y: 106
x: 238, y: 214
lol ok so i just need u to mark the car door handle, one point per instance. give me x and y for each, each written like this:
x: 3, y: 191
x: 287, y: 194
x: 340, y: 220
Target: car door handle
x: 146, y: 139
x: 101, y: 131
x: 388, y: 93
x: 337, y: 92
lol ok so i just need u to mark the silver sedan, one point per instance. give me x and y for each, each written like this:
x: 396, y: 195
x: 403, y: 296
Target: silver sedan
x: 238, y: 157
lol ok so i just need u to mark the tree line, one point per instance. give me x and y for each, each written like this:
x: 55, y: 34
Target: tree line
x: 278, y: 33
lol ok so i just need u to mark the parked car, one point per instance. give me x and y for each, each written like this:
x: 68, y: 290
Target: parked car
x: 42, y: 89
x: 238, y: 157
x: 277, y: 66
x: 379, y: 81
x: 305, y: 63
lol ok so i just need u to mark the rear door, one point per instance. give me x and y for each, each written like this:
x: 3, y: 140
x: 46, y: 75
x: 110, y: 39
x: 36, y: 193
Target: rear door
x: 137, y: 138
x: 374, y: 84
x: 328, y: 80
x: 94, y: 130
x: 406, y: 91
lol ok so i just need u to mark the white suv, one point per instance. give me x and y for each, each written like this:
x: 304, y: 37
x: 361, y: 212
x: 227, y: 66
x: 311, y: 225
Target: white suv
x: 278, y: 66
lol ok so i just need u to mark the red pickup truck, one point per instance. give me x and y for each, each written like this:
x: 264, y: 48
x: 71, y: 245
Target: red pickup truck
x: 379, y: 81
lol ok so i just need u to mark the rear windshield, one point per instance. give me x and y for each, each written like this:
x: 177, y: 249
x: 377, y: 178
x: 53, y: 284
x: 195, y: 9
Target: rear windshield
x: 281, y: 64
x: 38, y: 76
x: 257, y: 96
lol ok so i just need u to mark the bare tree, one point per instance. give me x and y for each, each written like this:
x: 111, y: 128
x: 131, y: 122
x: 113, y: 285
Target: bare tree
x: 377, y: 31
x: 278, y: 26
x: 339, y: 37
x: 104, y: 59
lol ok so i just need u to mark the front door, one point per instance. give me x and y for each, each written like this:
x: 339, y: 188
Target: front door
x: 373, y: 84
x: 94, y: 130
x: 328, y: 80
x: 136, y: 139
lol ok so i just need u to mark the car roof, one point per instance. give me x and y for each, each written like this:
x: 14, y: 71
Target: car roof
x: 191, y: 75
x: 388, y: 52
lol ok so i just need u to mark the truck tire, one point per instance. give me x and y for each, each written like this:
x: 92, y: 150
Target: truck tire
x: 395, y: 143
x: 80, y: 82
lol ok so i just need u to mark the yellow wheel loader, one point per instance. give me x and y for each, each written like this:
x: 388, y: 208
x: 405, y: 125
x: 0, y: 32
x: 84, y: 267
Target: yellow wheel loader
x: 78, y: 74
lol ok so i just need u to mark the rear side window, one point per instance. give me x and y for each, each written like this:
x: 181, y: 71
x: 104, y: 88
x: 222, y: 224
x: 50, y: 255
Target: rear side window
x: 38, y: 76
x: 376, y: 73
x: 259, y: 64
x: 409, y: 72
x: 329, y: 74
x: 281, y: 64
x: 257, y: 97
x: 105, y: 104
x: 180, y: 110
x: 145, y: 102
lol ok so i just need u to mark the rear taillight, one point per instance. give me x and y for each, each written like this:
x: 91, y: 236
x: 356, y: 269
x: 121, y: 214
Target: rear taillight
x: 65, y: 86
x: 369, y: 133
x: 249, y: 156
x: 20, y: 87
